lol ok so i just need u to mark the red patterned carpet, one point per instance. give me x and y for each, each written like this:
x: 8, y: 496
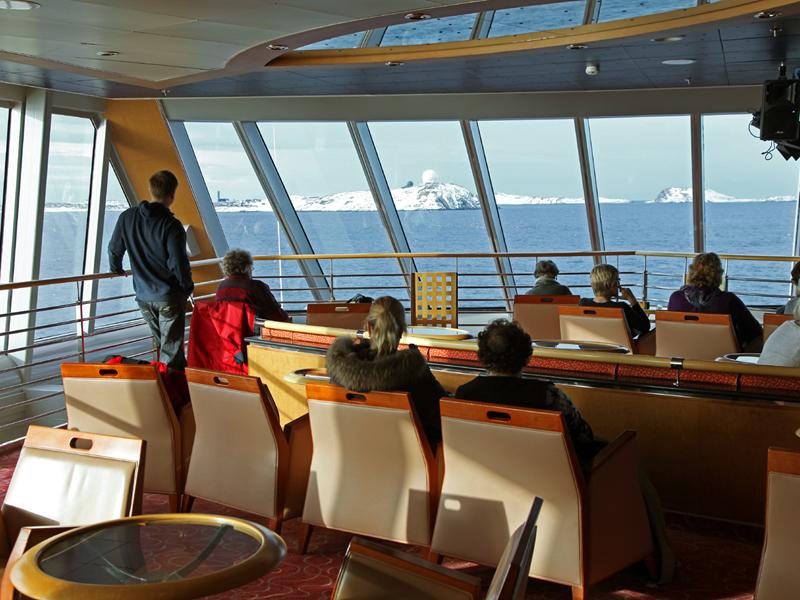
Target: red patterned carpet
x: 715, y: 562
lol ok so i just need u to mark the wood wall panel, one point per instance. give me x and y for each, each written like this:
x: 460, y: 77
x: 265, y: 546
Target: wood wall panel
x: 143, y: 141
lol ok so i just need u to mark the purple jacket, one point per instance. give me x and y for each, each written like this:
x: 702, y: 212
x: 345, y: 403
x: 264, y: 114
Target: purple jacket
x: 692, y: 298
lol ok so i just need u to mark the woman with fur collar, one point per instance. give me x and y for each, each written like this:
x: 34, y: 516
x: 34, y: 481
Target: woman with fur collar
x: 377, y: 364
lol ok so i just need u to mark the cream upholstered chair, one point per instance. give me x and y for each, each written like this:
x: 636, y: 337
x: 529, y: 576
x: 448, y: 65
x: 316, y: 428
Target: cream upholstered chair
x: 778, y: 576
x: 372, y: 471
x: 373, y: 570
x: 588, y: 528
x: 698, y: 336
x: 595, y: 324
x: 538, y: 315
x: 337, y: 314
x: 240, y: 456
x: 67, y: 478
x: 772, y: 322
x: 129, y: 400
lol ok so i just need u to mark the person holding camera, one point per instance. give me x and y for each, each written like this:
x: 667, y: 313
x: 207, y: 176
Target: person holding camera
x: 606, y: 287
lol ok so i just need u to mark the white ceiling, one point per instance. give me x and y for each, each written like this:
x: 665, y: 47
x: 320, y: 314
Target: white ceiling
x: 167, y: 39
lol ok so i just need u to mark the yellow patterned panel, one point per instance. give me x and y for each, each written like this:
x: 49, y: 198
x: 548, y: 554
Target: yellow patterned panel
x: 435, y: 300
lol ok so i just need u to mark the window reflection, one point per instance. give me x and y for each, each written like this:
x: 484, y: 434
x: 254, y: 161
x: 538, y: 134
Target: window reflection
x: 350, y: 40
x: 432, y: 31
x: 611, y: 10
x: 525, y: 19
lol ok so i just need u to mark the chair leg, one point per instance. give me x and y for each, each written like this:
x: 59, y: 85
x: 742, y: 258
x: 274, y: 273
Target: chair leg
x: 275, y: 524
x: 651, y: 566
x: 435, y: 557
x: 580, y: 593
x: 306, y: 530
x: 174, y: 503
x: 187, y: 503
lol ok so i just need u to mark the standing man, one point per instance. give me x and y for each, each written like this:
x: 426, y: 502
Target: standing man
x: 162, y: 279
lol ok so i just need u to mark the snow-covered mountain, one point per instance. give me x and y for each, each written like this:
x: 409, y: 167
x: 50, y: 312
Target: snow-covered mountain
x: 679, y: 195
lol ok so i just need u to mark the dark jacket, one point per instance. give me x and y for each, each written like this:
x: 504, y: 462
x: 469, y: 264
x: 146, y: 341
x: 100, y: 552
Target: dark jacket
x: 635, y: 316
x: 256, y: 293
x: 156, y: 244
x: 353, y: 365
x: 544, y: 286
x: 691, y: 298
x: 531, y: 393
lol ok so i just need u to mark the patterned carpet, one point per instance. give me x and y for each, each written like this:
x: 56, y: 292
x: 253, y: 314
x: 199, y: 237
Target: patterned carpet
x: 715, y: 561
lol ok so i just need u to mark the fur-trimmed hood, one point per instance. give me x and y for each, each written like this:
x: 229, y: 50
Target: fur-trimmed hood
x: 352, y: 364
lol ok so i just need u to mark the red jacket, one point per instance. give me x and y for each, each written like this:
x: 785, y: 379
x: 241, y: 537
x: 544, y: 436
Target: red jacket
x: 217, y: 333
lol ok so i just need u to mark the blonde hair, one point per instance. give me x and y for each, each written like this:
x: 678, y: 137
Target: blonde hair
x: 605, y: 280
x: 237, y: 262
x: 705, y: 271
x: 387, y: 321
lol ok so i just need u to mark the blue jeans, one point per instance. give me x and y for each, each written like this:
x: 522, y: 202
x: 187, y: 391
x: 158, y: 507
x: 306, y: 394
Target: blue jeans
x: 167, y: 321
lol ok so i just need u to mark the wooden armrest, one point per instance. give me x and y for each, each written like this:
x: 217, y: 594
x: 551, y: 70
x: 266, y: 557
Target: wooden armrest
x: 28, y: 537
x: 607, y: 453
x: 411, y: 564
x: 301, y: 447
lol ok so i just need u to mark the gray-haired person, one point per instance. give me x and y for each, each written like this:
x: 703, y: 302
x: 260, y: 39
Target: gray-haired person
x: 546, y: 284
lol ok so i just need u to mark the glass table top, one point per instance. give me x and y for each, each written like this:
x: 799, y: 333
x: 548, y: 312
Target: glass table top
x: 578, y: 345
x: 147, y: 552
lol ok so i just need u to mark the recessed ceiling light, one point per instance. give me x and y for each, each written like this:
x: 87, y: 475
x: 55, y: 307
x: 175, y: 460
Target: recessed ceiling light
x: 394, y: 63
x: 766, y: 14
x: 577, y: 47
x: 107, y: 53
x: 278, y: 47
x: 678, y: 62
x: 416, y: 16
x: 18, y: 5
x: 669, y: 38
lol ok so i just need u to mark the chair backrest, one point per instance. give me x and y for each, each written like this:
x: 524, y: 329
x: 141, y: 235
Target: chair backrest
x: 372, y: 471
x: 67, y: 477
x: 129, y: 401
x: 595, y: 324
x: 435, y: 300
x: 490, y: 483
x: 538, y: 315
x: 698, y: 336
x: 337, y: 314
x: 511, y: 577
x: 217, y: 334
x: 778, y: 576
x: 772, y: 322
x: 240, y: 455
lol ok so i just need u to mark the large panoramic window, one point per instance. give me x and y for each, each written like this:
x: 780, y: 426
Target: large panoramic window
x: 750, y: 204
x: 321, y: 171
x: 612, y: 10
x: 524, y: 19
x: 644, y: 178
x: 431, y: 31
x: 536, y: 177
x: 4, y: 115
x: 244, y: 212
x: 69, y: 177
x: 428, y: 172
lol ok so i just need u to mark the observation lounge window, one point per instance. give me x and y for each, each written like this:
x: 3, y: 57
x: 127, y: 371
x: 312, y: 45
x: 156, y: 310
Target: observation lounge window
x: 750, y: 205
x: 321, y: 171
x: 536, y: 178
x: 432, y: 31
x: 644, y: 182
x: 349, y: 40
x: 541, y: 17
x: 613, y: 10
x: 427, y: 168
x: 244, y: 212
x: 69, y: 177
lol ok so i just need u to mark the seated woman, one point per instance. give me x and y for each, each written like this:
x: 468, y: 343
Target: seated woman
x: 782, y: 348
x: 546, y: 284
x: 377, y: 364
x: 788, y: 309
x: 606, y: 286
x: 702, y: 294
x: 504, y: 349
x: 239, y: 285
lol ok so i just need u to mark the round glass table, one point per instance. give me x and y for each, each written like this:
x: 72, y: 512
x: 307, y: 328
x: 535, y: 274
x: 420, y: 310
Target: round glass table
x: 578, y: 345
x: 740, y: 357
x: 439, y: 333
x: 153, y: 556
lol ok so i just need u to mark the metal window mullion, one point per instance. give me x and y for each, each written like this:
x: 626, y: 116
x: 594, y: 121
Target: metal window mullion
x: 796, y: 240
x: 382, y: 194
x: 482, y: 25
x: 698, y: 184
x: 197, y: 182
x: 491, y: 214
x: 373, y: 38
x: 282, y: 207
x: 30, y: 217
x: 11, y: 209
x: 94, y: 227
x: 591, y: 12
x: 589, y: 179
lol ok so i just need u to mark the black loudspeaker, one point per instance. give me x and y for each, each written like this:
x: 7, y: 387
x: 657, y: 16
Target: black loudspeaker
x: 779, y: 114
